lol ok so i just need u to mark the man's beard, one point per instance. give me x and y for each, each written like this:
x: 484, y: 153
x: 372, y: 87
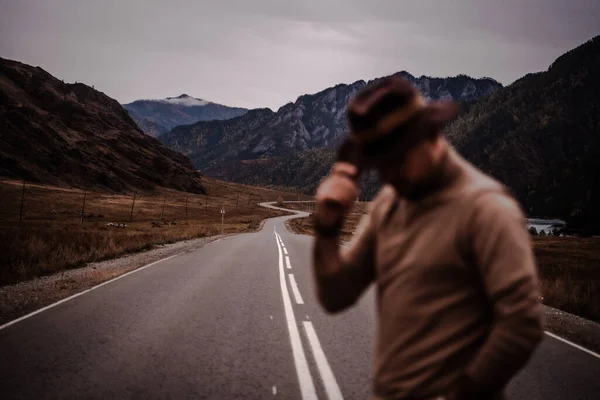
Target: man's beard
x: 417, y: 190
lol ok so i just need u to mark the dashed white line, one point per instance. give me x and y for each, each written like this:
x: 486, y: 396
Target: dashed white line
x: 285, y: 250
x: 14, y: 321
x: 295, y: 290
x: 307, y: 386
x: 287, y: 262
x: 331, y: 387
x: 274, y: 390
x: 271, y: 317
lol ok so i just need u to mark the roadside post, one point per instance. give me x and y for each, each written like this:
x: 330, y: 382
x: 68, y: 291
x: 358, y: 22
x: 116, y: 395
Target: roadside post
x: 222, y: 218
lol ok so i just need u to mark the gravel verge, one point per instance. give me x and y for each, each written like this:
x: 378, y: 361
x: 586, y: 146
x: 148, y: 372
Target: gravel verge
x: 578, y: 330
x: 24, y: 297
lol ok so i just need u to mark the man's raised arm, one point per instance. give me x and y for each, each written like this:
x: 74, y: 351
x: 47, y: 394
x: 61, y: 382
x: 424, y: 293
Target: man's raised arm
x: 341, y: 275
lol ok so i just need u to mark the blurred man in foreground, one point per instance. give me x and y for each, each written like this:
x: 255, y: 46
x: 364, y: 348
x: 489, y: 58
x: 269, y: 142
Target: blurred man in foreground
x: 446, y: 246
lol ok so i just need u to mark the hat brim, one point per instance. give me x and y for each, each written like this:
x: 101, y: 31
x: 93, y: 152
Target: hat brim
x: 394, y: 146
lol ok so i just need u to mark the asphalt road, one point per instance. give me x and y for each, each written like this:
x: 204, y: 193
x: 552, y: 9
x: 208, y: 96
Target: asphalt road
x: 236, y: 319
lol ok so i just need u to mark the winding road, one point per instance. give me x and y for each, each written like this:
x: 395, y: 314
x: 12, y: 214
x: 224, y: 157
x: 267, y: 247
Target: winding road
x: 235, y: 319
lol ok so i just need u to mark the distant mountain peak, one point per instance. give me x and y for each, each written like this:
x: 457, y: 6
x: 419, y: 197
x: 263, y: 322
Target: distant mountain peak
x: 158, y: 116
x: 185, y: 100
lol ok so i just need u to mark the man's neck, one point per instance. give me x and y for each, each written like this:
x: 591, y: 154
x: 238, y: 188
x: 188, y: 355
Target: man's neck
x: 441, y: 174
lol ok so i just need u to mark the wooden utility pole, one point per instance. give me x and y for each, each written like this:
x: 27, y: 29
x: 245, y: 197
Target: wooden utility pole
x: 132, y: 204
x: 22, y: 202
x: 162, y: 213
x: 83, y: 205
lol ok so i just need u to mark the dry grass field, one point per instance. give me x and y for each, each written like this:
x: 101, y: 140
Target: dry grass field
x: 50, y: 234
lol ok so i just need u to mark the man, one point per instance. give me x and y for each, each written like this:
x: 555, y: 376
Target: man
x: 447, y: 247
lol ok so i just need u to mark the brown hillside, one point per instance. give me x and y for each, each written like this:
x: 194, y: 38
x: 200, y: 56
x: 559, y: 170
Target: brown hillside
x: 70, y: 134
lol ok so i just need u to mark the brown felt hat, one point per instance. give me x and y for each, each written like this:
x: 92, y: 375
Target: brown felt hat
x: 391, y: 116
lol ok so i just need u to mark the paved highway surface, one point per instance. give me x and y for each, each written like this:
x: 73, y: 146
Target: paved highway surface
x: 236, y: 319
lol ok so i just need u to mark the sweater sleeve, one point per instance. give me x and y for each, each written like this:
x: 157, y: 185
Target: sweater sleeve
x: 341, y: 275
x: 360, y: 252
x: 502, y: 251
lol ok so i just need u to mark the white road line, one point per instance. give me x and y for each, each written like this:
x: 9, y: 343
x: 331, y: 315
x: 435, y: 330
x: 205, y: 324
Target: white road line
x: 274, y: 390
x: 572, y: 344
x: 287, y: 262
x: 307, y: 386
x: 285, y: 250
x: 295, y: 289
x: 14, y: 321
x: 331, y: 387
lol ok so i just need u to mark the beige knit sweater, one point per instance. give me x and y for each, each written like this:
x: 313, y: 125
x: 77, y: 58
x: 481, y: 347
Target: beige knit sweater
x: 456, y: 280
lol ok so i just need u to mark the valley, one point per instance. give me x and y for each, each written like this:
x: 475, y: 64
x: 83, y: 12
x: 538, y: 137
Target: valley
x: 46, y: 229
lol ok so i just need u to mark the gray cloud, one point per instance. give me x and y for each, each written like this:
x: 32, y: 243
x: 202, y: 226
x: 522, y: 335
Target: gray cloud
x: 264, y: 53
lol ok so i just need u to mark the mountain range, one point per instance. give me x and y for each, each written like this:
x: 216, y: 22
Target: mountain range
x: 156, y: 117
x: 70, y: 134
x: 540, y: 136
x: 314, y: 121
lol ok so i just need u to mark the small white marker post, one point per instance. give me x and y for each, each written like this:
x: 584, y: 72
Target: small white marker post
x: 222, y: 218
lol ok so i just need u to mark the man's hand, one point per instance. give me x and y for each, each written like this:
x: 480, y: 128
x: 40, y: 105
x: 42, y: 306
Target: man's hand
x: 339, y: 189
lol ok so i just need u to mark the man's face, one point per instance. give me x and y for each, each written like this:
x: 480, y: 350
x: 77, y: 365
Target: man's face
x: 403, y: 173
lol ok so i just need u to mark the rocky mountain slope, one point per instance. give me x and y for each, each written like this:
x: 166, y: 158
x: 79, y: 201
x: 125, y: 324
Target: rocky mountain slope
x: 70, y: 134
x: 156, y: 117
x: 312, y: 122
x: 541, y: 136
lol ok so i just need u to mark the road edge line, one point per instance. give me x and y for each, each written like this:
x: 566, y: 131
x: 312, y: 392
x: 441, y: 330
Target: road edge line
x: 31, y: 314
x: 552, y: 335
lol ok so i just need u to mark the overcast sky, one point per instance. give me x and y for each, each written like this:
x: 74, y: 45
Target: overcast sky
x: 265, y: 53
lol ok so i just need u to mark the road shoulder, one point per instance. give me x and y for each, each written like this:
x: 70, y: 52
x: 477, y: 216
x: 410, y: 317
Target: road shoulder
x: 575, y: 329
x: 22, y: 298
